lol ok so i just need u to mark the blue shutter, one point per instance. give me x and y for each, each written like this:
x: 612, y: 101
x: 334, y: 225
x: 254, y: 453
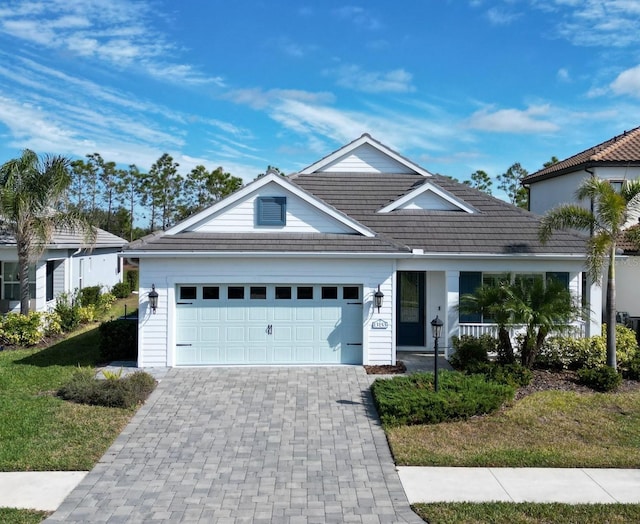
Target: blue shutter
x: 272, y: 211
x: 469, y: 282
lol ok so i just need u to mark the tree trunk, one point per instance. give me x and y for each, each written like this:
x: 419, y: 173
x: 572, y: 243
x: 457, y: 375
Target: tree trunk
x: 505, y: 345
x: 610, y: 309
x: 23, y: 276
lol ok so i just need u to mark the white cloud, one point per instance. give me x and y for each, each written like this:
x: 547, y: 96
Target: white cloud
x: 513, y: 120
x: 115, y: 32
x: 498, y: 16
x: 606, y: 23
x: 354, y: 77
x: 563, y: 75
x: 628, y: 82
x: 359, y: 16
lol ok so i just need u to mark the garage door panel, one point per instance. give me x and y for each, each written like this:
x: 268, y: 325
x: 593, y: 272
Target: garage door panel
x: 235, y: 333
x: 285, y: 314
x: 280, y: 329
x: 257, y: 313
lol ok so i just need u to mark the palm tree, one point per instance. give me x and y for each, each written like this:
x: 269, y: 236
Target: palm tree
x: 537, y: 305
x: 605, y: 223
x: 31, y: 192
x: 489, y: 301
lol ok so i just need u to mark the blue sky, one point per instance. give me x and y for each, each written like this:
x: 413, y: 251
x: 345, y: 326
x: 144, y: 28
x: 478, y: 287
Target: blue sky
x: 454, y: 85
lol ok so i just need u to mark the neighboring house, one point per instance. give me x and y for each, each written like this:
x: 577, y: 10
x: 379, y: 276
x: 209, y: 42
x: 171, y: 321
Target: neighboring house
x: 617, y: 160
x: 285, y: 270
x: 66, y: 264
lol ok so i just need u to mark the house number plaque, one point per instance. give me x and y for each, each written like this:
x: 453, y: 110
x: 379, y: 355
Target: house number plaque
x: 379, y: 324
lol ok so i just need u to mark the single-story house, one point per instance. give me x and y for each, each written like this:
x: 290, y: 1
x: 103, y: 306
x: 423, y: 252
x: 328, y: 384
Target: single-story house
x: 617, y: 159
x: 66, y: 264
x: 345, y: 262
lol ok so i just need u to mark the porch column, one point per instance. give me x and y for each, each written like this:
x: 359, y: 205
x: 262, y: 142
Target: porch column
x: 451, y: 325
x: 593, y: 325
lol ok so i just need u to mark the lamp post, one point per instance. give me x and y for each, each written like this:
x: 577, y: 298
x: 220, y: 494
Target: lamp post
x: 436, y: 331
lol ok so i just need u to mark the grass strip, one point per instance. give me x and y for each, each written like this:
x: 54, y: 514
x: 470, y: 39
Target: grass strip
x: 546, y: 429
x: 527, y: 513
x: 22, y: 516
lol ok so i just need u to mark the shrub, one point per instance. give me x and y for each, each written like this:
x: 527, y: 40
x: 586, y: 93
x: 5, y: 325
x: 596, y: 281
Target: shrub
x: 131, y: 278
x: 21, y: 330
x: 124, y: 392
x: 515, y: 374
x: 89, y: 296
x: 119, y: 340
x: 603, y: 378
x: 633, y: 367
x: 412, y: 400
x: 86, y: 314
x: 105, y: 302
x: 121, y: 290
x: 471, y: 350
x: 51, y: 324
x: 67, y: 310
x: 576, y: 353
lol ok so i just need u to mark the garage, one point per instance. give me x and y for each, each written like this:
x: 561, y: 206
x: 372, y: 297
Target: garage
x: 231, y: 324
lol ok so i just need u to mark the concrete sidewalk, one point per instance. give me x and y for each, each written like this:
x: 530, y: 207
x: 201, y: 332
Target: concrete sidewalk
x: 572, y: 486
x: 46, y: 490
x: 41, y: 490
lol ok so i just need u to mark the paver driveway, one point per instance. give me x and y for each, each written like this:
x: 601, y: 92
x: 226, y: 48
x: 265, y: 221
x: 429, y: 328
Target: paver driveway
x: 248, y: 445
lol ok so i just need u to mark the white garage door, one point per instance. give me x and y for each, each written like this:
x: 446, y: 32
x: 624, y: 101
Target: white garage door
x: 268, y: 324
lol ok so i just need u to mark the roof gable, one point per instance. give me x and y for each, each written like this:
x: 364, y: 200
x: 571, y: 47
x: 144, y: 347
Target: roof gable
x: 365, y: 155
x: 429, y: 197
x: 305, y: 212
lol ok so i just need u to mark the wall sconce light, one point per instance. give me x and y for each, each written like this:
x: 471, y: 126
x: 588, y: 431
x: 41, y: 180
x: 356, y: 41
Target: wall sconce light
x: 378, y: 298
x: 153, y: 299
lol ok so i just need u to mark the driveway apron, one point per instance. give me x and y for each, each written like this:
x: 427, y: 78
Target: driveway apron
x: 280, y: 444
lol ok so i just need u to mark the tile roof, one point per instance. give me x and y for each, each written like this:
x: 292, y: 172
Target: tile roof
x: 193, y: 242
x: 621, y: 149
x: 498, y: 227
x: 72, y: 240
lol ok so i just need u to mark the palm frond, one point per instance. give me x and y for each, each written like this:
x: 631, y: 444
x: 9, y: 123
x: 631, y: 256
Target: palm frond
x: 564, y: 217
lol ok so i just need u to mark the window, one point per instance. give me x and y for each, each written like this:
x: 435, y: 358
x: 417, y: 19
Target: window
x: 329, y: 292
x: 188, y: 292
x: 211, y: 293
x: 350, y: 293
x: 271, y: 211
x: 283, y: 293
x: 305, y: 293
x: 11, y: 287
x: 235, y: 292
x: 469, y: 282
x: 258, y: 293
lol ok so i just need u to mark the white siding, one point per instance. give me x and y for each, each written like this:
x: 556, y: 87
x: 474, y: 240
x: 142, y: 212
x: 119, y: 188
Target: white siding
x: 366, y: 159
x: 627, y: 280
x: 302, y: 217
x: 100, y: 268
x: 430, y: 201
x: 157, y: 331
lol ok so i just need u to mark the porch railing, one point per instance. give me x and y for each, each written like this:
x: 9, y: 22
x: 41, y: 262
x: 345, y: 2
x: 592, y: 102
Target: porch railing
x: 576, y: 329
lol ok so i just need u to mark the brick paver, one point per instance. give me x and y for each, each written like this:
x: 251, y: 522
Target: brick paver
x: 232, y: 445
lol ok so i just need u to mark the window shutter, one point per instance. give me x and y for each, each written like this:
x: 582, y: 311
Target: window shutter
x: 272, y: 211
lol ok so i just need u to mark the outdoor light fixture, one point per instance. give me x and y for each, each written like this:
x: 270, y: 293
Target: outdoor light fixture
x: 153, y: 299
x: 436, y: 331
x: 378, y: 297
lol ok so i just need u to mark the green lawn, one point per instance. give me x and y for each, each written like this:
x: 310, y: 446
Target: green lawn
x: 21, y: 516
x: 546, y: 429
x: 40, y: 432
x: 527, y: 513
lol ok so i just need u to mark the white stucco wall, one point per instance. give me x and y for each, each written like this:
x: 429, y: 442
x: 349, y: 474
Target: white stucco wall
x: 628, y: 285
x: 97, y: 268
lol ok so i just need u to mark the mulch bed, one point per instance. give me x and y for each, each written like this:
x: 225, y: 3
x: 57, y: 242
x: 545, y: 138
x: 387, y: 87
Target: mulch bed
x: 387, y: 369
x: 565, y: 380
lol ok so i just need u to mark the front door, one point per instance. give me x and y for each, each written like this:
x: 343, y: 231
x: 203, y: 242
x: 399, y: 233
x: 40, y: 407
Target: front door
x: 410, y: 313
